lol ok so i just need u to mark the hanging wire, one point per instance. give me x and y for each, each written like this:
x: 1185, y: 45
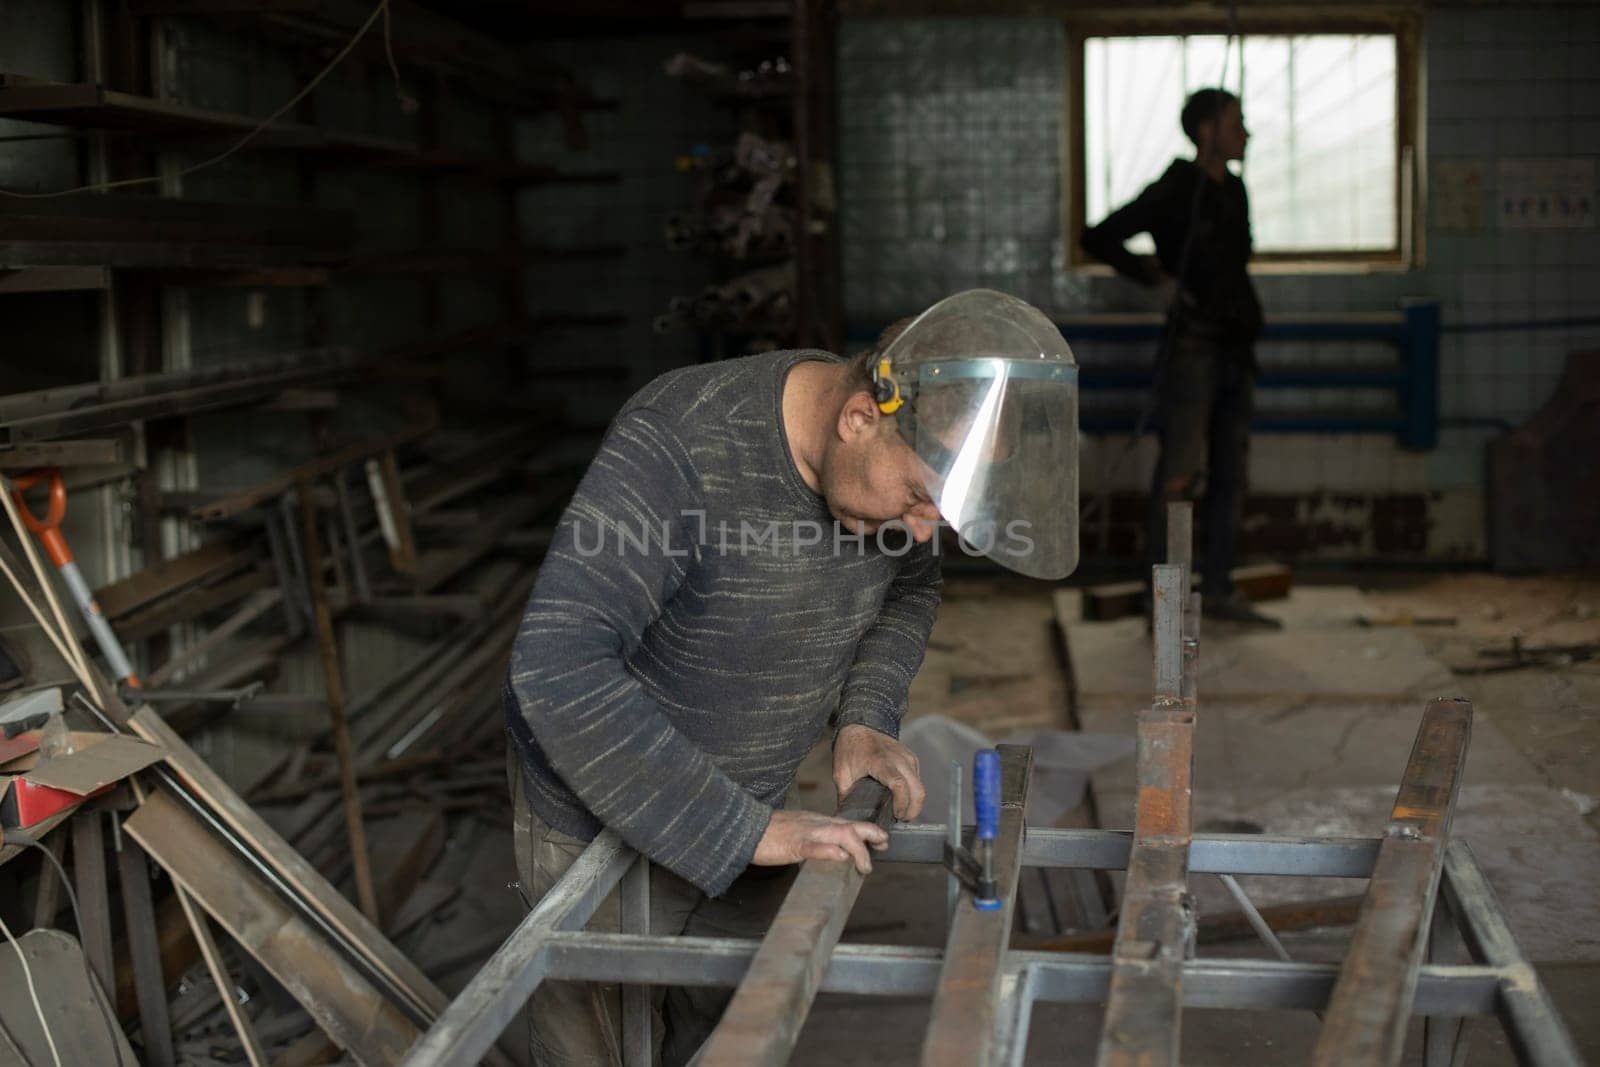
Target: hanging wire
x: 407, y: 103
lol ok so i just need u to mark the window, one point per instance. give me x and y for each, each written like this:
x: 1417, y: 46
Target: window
x: 1328, y: 165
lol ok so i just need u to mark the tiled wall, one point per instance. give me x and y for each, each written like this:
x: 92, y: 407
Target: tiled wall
x: 658, y: 120
x: 951, y: 138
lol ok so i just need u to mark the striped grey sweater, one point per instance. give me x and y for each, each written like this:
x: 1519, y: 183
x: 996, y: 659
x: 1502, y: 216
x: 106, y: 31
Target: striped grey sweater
x: 697, y: 619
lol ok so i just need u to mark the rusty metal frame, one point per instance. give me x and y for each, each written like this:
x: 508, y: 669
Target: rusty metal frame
x: 551, y: 945
x: 984, y: 992
x: 1155, y: 933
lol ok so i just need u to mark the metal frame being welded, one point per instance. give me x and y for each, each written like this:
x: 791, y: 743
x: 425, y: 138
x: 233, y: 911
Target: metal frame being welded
x: 1426, y: 894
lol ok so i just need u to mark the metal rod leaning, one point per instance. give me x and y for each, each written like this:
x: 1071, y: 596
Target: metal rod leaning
x: 1536, y: 1029
x: 333, y: 681
x: 481, y: 1011
x: 1155, y: 932
x: 763, y: 1021
x: 1367, y: 1016
x: 966, y: 1006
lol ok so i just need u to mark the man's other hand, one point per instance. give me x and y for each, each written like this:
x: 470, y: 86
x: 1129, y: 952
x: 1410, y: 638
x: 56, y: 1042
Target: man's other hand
x: 862, y: 752
x: 793, y: 836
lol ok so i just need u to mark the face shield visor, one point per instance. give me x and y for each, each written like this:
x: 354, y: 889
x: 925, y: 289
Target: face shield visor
x: 990, y: 406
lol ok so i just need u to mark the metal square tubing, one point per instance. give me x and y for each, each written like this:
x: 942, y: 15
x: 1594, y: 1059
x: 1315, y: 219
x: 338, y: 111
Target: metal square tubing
x: 763, y: 1021
x: 1144, y: 1010
x: 966, y: 1005
x: 1366, y: 1022
x: 550, y: 945
x: 1538, y: 1034
x: 1051, y: 977
x: 1108, y: 850
x: 481, y: 1012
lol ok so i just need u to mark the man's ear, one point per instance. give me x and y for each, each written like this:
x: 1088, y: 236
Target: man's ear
x: 859, y: 416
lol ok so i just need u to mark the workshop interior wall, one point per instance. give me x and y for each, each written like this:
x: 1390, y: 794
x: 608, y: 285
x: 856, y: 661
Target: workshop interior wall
x: 950, y: 177
x: 659, y: 120
x: 204, y: 62
x: 39, y: 38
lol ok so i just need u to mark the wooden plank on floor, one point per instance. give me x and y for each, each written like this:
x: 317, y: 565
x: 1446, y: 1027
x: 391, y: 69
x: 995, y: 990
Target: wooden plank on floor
x: 763, y: 1021
x: 155, y: 1022
x: 339, y: 997
x: 1370, y: 1007
x: 89, y: 874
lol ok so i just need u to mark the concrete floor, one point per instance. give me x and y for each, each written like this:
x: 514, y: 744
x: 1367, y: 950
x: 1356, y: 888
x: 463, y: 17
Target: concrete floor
x: 1302, y: 731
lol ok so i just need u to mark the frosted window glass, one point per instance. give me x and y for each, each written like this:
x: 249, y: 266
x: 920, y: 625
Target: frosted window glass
x: 1321, y: 113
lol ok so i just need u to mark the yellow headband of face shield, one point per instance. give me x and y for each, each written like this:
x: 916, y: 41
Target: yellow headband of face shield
x: 885, y: 388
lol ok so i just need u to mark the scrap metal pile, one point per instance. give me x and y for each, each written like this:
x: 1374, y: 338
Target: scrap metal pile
x: 236, y: 938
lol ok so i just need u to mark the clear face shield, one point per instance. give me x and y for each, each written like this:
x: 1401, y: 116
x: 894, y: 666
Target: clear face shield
x: 990, y: 406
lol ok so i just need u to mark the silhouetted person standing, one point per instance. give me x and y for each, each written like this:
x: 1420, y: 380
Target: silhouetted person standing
x: 1199, y: 216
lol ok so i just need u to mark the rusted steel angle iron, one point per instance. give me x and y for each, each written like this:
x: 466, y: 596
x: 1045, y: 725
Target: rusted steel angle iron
x: 763, y: 1021
x: 1371, y: 1003
x: 1155, y: 932
x: 967, y: 1003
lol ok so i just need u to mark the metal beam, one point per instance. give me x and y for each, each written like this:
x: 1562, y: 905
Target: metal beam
x: 1536, y: 1030
x: 352, y: 1011
x: 481, y: 1011
x: 1108, y: 850
x: 1366, y: 1023
x: 763, y: 1021
x: 76, y: 410
x: 966, y: 1006
x: 1054, y: 977
x: 1155, y: 931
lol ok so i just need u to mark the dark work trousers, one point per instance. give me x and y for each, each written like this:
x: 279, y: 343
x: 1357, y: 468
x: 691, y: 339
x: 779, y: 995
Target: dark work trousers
x: 1203, y: 406
x: 579, y: 1024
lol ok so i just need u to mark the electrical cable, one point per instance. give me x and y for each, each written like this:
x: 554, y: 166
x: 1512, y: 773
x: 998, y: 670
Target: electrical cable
x: 407, y: 103
x: 19, y: 837
x: 33, y: 992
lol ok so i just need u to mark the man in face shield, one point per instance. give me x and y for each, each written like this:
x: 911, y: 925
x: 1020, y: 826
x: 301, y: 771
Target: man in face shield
x: 750, y: 560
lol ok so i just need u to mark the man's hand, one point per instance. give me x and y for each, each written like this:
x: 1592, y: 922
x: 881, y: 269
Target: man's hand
x: 793, y: 836
x: 862, y: 752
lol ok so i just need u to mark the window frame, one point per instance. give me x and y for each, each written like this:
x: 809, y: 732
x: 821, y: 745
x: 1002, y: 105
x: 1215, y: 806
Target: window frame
x: 1409, y: 184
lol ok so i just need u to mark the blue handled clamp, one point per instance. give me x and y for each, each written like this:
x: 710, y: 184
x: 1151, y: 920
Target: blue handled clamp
x: 975, y: 869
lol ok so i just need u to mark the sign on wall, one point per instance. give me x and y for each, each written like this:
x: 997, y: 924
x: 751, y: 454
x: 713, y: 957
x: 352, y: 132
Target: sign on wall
x: 1545, y: 194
